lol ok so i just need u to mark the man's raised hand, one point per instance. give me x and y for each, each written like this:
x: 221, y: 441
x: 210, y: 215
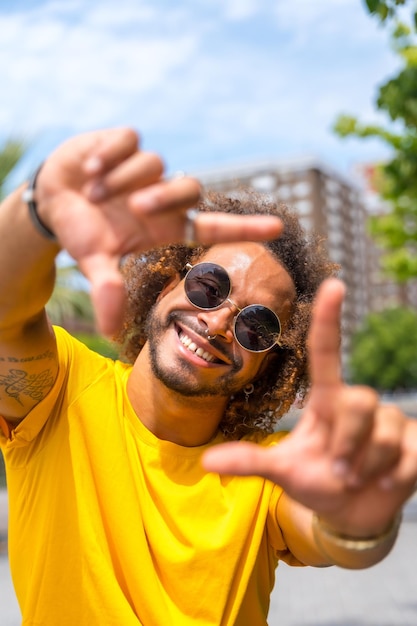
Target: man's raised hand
x: 104, y: 197
x: 349, y: 458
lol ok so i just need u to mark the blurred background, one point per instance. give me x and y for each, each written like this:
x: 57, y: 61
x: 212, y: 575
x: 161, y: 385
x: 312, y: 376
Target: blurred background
x: 311, y: 102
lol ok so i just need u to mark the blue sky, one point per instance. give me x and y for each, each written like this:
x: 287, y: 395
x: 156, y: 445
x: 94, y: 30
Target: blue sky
x: 206, y: 82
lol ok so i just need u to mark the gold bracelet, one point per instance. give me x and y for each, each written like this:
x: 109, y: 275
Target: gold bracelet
x: 351, y: 552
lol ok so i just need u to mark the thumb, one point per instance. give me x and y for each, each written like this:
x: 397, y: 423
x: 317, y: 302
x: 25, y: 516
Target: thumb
x: 244, y: 459
x: 108, y: 292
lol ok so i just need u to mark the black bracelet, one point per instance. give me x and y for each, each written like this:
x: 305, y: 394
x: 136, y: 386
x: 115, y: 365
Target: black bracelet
x: 28, y: 196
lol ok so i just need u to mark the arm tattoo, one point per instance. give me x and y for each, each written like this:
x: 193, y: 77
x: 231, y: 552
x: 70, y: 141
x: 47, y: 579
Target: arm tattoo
x: 48, y: 354
x: 18, y: 383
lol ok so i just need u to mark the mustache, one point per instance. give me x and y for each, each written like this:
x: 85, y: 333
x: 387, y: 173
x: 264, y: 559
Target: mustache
x: 236, y: 361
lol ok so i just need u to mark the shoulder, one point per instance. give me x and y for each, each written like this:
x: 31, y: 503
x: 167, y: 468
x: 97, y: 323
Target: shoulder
x: 81, y: 363
x: 69, y: 347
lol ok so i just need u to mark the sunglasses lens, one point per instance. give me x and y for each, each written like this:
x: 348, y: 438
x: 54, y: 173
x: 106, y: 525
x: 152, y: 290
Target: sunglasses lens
x: 207, y: 285
x: 257, y: 328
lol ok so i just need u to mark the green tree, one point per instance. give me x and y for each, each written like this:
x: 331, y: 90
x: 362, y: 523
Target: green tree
x: 384, y: 351
x: 99, y: 344
x: 396, y: 179
x: 384, y: 9
x: 10, y: 154
x: 70, y: 301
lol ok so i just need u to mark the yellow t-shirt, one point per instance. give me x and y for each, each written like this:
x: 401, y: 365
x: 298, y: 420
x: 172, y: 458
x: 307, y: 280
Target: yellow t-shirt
x: 110, y: 526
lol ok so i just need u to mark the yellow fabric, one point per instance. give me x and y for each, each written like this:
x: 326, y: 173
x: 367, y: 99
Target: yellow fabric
x: 110, y: 526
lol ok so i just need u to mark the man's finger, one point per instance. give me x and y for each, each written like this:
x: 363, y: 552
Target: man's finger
x: 108, y: 293
x: 138, y: 171
x: 385, y: 452
x: 165, y: 196
x: 352, y: 430
x: 221, y: 227
x: 108, y: 149
x: 164, y: 205
x: 404, y: 476
x: 242, y: 459
x: 324, y: 337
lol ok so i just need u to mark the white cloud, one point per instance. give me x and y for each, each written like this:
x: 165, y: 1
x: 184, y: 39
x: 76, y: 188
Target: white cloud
x: 202, y: 78
x: 78, y: 74
x: 241, y: 9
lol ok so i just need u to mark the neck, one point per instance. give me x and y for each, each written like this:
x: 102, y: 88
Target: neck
x: 186, y: 421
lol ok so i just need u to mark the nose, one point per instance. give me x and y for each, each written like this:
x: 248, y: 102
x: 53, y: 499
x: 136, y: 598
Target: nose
x: 220, y: 321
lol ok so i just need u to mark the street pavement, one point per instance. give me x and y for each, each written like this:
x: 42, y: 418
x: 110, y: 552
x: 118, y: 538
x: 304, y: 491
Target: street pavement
x: 384, y: 595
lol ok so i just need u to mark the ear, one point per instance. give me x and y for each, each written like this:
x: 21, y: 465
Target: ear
x: 169, y: 286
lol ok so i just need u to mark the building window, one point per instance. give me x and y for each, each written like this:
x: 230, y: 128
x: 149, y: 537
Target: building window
x: 265, y: 182
x: 303, y: 207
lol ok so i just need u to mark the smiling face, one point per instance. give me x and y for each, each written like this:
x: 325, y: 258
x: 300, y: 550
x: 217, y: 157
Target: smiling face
x: 180, y: 353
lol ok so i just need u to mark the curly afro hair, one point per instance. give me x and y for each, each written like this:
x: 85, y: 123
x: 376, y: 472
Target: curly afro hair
x: 286, y: 379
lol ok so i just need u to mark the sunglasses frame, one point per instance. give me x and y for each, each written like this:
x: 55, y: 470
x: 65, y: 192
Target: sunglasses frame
x: 189, y: 267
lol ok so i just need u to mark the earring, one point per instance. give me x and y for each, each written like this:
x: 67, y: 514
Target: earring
x: 248, y: 390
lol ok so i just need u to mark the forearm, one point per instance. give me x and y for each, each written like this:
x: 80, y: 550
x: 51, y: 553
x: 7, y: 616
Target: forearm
x: 27, y: 269
x: 295, y: 522
x: 317, y: 543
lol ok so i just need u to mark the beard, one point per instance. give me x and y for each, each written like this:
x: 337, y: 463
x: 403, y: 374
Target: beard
x: 179, y: 375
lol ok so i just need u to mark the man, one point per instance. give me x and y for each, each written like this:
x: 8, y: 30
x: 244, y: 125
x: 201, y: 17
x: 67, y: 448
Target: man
x: 123, y: 508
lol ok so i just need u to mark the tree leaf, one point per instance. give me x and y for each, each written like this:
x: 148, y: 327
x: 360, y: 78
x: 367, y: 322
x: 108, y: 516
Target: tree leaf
x: 373, y: 5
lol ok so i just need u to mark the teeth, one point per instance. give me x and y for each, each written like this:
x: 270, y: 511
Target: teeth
x: 188, y: 343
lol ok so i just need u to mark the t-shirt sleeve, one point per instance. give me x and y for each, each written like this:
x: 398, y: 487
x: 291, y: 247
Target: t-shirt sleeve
x: 275, y: 536
x: 70, y: 351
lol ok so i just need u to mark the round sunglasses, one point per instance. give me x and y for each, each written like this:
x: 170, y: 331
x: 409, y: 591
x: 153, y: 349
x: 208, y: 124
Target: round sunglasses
x: 256, y: 327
